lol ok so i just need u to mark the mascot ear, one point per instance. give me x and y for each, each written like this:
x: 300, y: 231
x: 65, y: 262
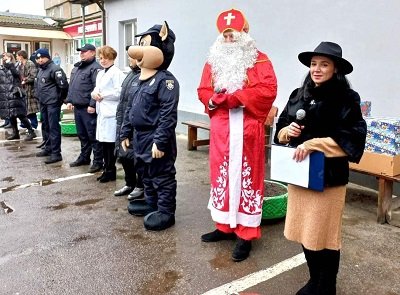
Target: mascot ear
x: 164, y: 31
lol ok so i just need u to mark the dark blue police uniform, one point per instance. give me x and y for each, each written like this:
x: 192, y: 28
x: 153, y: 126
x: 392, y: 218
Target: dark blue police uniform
x: 51, y: 87
x: 153, y: 116
x: 82, y: 83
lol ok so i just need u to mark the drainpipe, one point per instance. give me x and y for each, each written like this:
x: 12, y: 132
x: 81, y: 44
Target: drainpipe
x: 83, y: 25
x: 103, y: 19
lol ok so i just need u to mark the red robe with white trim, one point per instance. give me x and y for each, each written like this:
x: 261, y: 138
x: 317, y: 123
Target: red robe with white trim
x: 237, y: 151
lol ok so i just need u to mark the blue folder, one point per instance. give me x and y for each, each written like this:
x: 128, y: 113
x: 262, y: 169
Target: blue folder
x: 309, y: 173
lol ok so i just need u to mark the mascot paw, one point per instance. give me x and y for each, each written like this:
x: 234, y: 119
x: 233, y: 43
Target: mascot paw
x: 140, y: 208
x: 158, y: 221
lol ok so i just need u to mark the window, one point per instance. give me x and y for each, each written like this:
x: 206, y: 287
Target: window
x: 129, y: 29
x: 15, y: 46
x: 96, y: 41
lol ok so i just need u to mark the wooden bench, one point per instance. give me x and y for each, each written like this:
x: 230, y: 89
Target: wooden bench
x: 385, y: 194
x: 194, y: 142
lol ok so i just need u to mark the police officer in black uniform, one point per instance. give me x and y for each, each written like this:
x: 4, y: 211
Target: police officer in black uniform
x: 82, y: 83
x: 51, y: 87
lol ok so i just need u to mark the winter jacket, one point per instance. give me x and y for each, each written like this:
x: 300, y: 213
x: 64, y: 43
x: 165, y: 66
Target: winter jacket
x: 12, y: 97
x: 133, y: 76
x: 82, y: 83
x: 28, y: 72
x: 331, y: 111
x: 51, y: 85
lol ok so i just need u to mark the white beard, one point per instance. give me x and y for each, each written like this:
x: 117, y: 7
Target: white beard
x: 230, y: 61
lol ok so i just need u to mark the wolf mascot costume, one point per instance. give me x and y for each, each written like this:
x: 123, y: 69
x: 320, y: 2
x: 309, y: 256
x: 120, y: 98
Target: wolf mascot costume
x: 152, y: 116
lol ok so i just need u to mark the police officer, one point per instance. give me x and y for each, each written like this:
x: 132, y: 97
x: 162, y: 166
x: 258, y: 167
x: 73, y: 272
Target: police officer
x: 51, y: 89
x: 82, y: 83
x: 133, y: 186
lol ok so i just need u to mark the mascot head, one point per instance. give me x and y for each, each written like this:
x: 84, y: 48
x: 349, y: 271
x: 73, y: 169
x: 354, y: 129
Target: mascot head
x: 155, y: 50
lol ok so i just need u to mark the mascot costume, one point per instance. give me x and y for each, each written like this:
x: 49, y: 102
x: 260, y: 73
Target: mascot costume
x: 152, y: 116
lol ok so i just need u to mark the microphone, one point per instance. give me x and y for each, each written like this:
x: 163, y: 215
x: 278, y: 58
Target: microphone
x: 300, y: 116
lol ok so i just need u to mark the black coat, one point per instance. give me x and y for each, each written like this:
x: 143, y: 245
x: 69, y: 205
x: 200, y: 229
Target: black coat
x: 51, y: 85
x: 12, y: 97
x: 331, y: 111
x: 82, y: 83
x: 122, y: 106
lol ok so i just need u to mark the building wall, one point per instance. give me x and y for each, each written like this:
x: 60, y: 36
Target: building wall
x: 56, y: 45
x: 282, y: 28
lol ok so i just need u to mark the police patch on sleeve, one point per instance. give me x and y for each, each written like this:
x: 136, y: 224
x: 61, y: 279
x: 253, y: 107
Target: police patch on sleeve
x: 170, y: 84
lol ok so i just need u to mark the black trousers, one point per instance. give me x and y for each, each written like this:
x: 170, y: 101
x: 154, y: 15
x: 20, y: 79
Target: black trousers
x: 133, y: 178
x: 159, y: 183
x: 109, y: 156
x: 51, y: 127
x: 86, y: 131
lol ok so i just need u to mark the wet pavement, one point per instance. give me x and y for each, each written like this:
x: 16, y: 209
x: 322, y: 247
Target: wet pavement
x: 62, y: 232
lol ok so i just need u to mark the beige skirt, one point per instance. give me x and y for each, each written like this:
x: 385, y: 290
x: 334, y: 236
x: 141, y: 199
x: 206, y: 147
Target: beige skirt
x: 314, y: 219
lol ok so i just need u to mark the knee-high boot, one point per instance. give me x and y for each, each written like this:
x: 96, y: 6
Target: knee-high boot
x: 329, y: 269
x: 31, y: 133
x: 14, y: 126
x: 314, y: 268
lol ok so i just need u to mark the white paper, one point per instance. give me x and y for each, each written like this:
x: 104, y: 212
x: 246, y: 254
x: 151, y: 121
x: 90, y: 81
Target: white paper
x: 285, y: 169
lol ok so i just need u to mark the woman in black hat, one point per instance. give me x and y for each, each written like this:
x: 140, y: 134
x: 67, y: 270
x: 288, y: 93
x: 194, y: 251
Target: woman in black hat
x: 333, y: 124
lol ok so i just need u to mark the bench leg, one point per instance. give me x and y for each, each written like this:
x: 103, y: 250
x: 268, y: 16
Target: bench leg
x: 385, y: 200
x: 192, y: 137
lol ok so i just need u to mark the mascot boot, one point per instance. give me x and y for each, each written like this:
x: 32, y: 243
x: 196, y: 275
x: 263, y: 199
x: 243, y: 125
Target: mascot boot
x: 140, y: 208
x: 158, y: 221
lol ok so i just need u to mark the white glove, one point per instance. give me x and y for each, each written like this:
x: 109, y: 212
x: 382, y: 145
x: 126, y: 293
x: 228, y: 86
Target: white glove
x: 155, y: 152
x: 125, y: 143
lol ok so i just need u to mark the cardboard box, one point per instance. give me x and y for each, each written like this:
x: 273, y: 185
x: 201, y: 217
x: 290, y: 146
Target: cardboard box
x: 378, y: 164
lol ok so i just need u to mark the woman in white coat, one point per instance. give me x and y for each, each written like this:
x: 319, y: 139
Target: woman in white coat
x: 106, y: 93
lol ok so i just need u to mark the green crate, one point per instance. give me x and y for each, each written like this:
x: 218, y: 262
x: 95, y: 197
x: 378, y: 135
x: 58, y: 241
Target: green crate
x: 275, y: 206
x: 68, y: 128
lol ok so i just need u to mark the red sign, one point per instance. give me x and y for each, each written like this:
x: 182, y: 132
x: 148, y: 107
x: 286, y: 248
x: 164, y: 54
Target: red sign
x: 91, y: 28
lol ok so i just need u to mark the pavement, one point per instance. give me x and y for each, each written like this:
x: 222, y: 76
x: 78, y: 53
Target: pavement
x: 62, y: 232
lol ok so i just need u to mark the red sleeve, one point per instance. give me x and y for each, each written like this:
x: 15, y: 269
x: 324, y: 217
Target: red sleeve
x: 205, y: 89
x: 261, y: 89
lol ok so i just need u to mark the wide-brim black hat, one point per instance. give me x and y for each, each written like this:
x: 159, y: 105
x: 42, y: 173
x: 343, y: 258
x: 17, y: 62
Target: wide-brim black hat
x: 331, y: 50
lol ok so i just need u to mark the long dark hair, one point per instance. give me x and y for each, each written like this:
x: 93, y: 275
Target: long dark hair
x: 338, y: 78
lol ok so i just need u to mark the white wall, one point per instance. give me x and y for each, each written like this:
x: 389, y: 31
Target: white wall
x: 366, y: 30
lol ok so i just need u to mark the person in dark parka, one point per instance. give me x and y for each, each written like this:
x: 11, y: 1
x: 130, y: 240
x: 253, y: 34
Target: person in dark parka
x: 153, y: 116
x: 15, y: 98
x: 82, y: 83
x: 51, y: 88
x: 133, y: 183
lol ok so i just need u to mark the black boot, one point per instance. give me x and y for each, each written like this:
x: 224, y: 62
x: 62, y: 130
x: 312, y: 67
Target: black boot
x: 13, y: 136
x: 158, y: 221
x: 216, y: 236
x: 329, y: 269
x: 242, y: 250
x: 103, y: 174
x: 31, y: 135
x: 140, y: 208
x: 312, y: 258
x: 109, y: 176
x: 15, y: 132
